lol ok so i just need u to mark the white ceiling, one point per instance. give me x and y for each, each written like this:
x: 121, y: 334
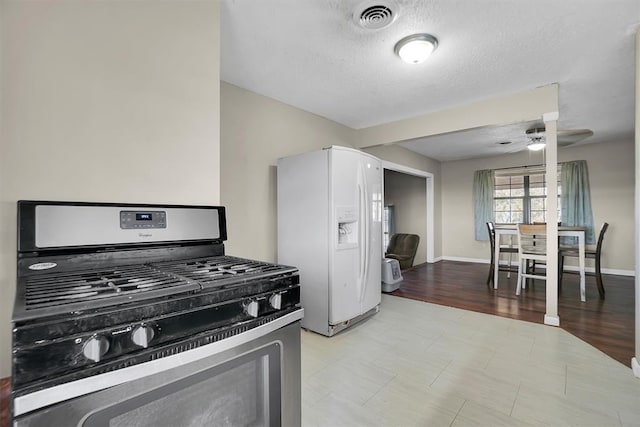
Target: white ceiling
x: 310, y: 54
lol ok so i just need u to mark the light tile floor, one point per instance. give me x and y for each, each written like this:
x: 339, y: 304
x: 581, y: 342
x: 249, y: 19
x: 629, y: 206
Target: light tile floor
x: 420, y: 364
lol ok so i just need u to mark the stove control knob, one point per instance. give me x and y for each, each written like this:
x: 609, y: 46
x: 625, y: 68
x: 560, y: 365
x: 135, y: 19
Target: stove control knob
x: 275, y: 301
x: 251, y: 308
x: 142, y: 335
x: 95, y: 347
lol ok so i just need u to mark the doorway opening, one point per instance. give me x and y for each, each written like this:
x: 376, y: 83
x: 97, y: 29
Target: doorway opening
x: 421, y: 219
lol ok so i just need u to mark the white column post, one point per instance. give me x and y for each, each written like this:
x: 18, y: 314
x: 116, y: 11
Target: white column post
x: 551, y: 152
x: 635, y: 362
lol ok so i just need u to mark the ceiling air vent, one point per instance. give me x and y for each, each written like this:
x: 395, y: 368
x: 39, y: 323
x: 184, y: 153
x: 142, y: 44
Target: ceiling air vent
x: 373, y: 16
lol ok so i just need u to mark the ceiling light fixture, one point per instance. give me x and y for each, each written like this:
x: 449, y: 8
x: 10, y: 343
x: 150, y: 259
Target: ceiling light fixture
x: 536, y: 146
x: 416, y: 48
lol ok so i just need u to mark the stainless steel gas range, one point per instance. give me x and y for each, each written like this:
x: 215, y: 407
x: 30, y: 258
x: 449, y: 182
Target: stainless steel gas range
x: 133, y: 315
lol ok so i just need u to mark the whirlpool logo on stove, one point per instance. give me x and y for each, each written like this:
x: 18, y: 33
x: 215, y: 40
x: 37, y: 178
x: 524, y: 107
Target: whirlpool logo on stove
x: 145, y: 235
x: 42, y: 266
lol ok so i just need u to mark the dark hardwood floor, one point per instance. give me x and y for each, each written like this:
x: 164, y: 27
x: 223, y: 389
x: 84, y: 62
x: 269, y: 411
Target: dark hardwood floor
x: 606, y: 324
x: 5, y: 390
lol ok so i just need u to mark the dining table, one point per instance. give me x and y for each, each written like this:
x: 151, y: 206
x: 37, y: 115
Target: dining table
x: 511, y: 230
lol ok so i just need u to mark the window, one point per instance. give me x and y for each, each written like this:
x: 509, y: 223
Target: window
x: 521, y: 198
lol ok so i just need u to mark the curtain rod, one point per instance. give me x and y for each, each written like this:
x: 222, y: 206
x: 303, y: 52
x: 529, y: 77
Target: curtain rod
x: 526, y: 166
x: 519, y: 167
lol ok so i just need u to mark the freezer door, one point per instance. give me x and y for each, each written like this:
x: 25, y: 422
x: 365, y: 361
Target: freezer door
x: 356, y: 197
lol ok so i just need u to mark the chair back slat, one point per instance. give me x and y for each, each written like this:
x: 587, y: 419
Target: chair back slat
x: 532, y: 239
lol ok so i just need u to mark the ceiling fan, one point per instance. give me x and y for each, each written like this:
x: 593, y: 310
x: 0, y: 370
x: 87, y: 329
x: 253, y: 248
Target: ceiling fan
x: 566, y: 137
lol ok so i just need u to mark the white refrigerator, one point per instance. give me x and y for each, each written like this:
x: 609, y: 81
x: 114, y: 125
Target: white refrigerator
x: 330, y: 227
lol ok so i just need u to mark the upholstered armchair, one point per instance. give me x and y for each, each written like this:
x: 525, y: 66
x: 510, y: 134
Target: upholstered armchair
x: 403, y: 247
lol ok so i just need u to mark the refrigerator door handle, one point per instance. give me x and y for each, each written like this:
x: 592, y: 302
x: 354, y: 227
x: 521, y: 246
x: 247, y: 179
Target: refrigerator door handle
x: 361, y: 237
x: 364, y: 241
x: 367, y: 233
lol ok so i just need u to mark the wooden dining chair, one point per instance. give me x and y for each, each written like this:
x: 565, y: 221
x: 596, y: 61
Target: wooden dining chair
x: 532, y: 246
x: 589, y: 252
x: 504, y: 249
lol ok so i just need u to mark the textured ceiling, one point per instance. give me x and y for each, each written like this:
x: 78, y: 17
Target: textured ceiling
x: 311, y: 55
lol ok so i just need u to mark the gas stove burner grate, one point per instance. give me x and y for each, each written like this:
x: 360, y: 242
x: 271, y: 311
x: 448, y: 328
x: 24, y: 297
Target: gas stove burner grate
x: 59, y: 293
x: 220, y: 270
x: 69, y: 288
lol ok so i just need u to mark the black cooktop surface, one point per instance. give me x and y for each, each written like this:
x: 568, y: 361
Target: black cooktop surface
x: 65, y: 292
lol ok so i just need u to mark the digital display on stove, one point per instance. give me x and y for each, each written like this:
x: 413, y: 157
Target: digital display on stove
x: 138, y: 219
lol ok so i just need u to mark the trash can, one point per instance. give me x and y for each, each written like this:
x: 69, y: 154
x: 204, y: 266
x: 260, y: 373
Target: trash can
x: 391, y: 275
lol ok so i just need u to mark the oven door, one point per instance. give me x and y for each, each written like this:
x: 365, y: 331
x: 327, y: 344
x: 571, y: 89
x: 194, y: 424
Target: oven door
x: 253, y: 384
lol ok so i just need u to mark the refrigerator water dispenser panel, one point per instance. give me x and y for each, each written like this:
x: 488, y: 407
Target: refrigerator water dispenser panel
x: 347, y: 227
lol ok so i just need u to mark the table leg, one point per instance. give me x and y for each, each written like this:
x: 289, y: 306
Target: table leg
x: 581, y: 238
x: 496, y: 261
x: 510, y: 245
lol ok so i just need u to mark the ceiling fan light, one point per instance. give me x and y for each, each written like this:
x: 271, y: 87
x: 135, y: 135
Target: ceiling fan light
x: 536, y: 146
x: 416, y: 48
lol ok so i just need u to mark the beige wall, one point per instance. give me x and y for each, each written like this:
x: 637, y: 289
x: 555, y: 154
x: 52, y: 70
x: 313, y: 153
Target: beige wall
x: 636, y: 360
x: 404, y: 157
x: 407, y: 193
x: 105, y: 101
x: 611, y: 174
x: 520, y: 107
x: 255, y: 132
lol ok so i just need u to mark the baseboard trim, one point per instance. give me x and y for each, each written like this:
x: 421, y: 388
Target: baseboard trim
x: 463, y: 259
x: 613, y: 271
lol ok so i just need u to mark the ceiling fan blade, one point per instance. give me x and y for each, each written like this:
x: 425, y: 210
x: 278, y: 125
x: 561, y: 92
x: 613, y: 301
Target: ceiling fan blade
x: 571, y: 136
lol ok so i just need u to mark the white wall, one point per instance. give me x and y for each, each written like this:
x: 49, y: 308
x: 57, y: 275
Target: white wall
x: 611, y: 174
x: 255, y: 132
x: 105, y: 101
x: 407, y: 193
